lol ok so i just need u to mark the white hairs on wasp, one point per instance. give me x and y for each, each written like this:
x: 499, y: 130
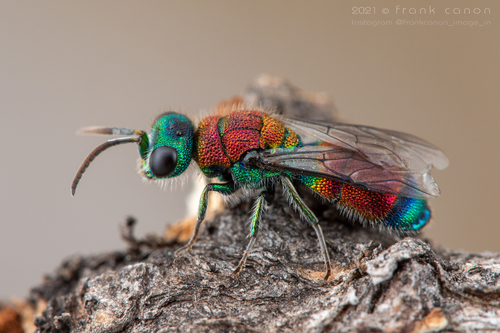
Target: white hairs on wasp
x: 245, y: 193
x: 174, y: 182
x: 292, y: 202
x: 224, y: 110
x: 355, y: 217
x: 233, y: 199
x: 178, y: 110
x: 238, y: 196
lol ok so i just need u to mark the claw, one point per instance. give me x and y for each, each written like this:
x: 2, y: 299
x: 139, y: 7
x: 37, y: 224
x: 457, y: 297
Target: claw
x: 237, y: 271
x: 328, y: 274
x: 241, y: 264
x: 183, y: 249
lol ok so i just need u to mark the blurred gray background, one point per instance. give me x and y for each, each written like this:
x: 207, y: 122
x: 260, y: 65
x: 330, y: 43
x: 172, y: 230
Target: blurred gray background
x: 64, y: 65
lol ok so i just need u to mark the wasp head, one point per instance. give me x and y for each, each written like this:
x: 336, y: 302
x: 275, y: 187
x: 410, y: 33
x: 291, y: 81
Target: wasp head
x: 165, y: 153
x: 169, y: 148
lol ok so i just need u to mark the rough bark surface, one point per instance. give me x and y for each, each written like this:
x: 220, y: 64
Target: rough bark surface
x: 381, y: 283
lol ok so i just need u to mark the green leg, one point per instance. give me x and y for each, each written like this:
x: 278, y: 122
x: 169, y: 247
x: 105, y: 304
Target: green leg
x: 225, y: 189
x: 257, y: 215
x: 309, y: 216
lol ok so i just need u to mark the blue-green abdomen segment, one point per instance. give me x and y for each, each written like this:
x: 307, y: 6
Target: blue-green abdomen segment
x: 408, y: 214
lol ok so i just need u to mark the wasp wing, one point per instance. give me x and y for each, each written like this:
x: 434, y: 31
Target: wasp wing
x: 379, y: 160
x: 382, y: 147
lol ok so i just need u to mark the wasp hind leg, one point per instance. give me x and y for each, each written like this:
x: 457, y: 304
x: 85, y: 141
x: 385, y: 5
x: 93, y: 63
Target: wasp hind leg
x: 256, y: 217
x: 309, y: 216
x: 224, y: 189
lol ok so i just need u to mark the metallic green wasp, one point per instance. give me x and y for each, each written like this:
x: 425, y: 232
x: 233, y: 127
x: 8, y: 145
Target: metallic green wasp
x: 375, y: 176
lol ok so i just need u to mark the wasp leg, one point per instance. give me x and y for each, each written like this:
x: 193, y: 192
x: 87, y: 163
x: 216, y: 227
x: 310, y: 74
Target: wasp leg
x: 309, y: 216
x: 256, y: 217
x: 225, y: 189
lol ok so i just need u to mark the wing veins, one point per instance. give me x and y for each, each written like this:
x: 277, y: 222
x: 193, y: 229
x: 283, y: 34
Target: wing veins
x: 359, y: 170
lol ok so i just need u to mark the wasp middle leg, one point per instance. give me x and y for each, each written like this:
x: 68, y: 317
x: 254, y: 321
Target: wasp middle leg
x: 256, y: 218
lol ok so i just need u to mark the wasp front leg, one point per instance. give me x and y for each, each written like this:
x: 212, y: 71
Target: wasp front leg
x: 309, y: 216
x: 224, y: 189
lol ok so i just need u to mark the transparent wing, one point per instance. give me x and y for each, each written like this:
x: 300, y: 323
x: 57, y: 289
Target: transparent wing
x: 376, y: 159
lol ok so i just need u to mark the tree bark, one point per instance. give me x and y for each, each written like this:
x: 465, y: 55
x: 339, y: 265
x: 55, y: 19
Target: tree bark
x: 380, y: 283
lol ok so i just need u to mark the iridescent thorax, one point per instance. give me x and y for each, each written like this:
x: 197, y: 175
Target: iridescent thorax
x: 221, y: 141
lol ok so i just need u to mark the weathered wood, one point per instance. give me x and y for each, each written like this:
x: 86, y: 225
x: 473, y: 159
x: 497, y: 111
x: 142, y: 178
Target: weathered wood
x: 381, y: 283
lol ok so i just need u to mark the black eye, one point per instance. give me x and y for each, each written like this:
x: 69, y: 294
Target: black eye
x: 163, y: 161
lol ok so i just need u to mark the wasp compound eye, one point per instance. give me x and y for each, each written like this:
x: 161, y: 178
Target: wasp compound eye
x: 163, y: 161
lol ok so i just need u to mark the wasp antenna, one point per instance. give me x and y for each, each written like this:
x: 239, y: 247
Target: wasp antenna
x: 102, y: 130
x: 94, y: 153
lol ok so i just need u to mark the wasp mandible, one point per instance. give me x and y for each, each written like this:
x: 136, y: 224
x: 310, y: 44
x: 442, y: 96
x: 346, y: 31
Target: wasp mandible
x: 375, y: 176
